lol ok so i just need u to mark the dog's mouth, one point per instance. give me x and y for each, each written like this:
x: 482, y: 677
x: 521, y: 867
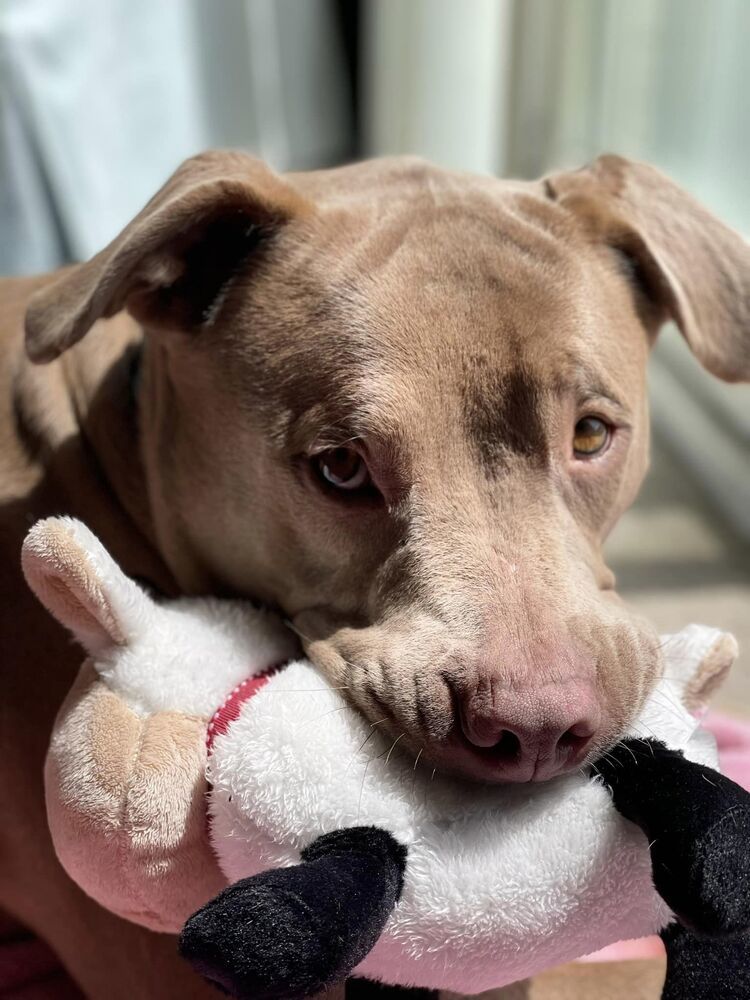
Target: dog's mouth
x: 510, y: 760
x: 504, y: 763
x: 523, y: 741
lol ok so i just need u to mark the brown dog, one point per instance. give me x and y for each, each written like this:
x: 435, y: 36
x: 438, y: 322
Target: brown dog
x: 404, y: 405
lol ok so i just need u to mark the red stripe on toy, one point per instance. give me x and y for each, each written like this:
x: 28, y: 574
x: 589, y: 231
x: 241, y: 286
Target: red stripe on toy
x: 224, y: 716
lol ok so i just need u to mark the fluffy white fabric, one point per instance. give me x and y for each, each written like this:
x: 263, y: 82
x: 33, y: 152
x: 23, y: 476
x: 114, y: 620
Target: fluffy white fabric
x: 501, y: 882
x: 185, y: 655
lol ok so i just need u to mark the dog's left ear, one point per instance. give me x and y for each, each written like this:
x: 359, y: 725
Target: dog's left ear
x: 692, y: 268
x: 169, y: 266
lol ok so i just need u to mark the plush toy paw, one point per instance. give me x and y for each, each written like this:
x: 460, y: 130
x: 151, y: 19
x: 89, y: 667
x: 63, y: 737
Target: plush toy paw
x: 698, y: 825
x: 706, y: 968
x: 292, y: 932
x: 366, y: 989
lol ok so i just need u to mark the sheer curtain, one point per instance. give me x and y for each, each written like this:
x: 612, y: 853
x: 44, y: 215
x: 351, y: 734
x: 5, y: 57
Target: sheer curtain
x: 665, y: 81
x: 100, y: 101
x: 661, y: 80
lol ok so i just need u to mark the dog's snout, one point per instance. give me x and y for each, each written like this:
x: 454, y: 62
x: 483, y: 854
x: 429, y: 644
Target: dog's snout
x: 532, y: 733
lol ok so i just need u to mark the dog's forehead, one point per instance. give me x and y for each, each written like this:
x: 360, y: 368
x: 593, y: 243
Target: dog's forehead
x: 410, y: 251
x: 411, y: 284
x: 454, y: 276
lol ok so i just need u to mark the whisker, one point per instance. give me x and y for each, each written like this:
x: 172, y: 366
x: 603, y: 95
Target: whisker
x: 392, y: 747
x: 297, y: 631
x: 610, y: 758
x: 365, y: 741
x: 344, y: 687
x: 647, y: 743
x: 333, y: 711
x: 360, y: 748
x: 414, y: 769
x: 362, y: 787
x: 646, y: 726
x: 669, y: 705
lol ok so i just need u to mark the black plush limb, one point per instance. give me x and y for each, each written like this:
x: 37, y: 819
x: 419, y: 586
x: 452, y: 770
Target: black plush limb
x: 706, y: 968
x: 293, y: 932
x: 365, y: 989
x: 698, y: 826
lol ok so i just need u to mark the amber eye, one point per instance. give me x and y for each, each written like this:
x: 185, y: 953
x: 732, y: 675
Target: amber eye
x: 343, y: 468
x: 590, y: 437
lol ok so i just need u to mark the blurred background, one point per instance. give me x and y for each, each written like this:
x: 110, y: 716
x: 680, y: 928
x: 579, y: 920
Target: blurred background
x: 101, y: 99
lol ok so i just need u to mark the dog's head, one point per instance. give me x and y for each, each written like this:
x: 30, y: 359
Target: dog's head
x: 407, y: 406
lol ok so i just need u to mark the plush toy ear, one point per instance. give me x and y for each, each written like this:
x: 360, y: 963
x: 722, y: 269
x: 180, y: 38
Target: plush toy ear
x: 712, y: 671
x: 698, y: 660
x: 691, y: 267
x: 169, y: 266
x: 80, y: 584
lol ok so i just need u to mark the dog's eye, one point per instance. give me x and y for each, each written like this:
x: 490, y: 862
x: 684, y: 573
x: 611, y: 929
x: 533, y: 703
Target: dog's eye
x: 590, y: 437
x: 343, y: 468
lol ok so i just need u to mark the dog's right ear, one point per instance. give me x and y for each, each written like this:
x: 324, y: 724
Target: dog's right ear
x: 685, y: 263
x: 81, y: 585
x: 169, y: 266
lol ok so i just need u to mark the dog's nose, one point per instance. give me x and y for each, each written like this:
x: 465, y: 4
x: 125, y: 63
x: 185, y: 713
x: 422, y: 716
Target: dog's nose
x: 533, y: 733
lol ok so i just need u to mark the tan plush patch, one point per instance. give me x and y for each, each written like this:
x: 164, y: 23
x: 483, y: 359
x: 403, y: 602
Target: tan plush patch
x: 632, y: 980
x: 60, y: 573
x: 712, y: 672
x: 113, y: 736
x: 126, y: 806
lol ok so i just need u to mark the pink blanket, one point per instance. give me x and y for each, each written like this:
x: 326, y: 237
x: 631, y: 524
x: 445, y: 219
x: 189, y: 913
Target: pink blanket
x: 30, y: 971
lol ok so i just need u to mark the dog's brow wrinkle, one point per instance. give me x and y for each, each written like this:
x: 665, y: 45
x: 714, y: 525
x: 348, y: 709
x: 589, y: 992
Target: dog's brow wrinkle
x: 503, y: 413
x: 577, y: 377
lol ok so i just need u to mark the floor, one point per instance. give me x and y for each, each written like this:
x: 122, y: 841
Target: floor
x: 677, y: 563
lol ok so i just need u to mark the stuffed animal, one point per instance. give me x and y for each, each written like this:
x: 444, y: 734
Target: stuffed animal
x: 343, y: 854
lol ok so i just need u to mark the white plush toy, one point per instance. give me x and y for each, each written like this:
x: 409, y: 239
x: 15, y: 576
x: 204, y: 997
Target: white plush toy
x: 342, y: 853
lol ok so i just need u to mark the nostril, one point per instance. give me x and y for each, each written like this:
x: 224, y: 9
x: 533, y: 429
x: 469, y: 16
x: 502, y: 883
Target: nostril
x: 508, y: 747
x: 576, y: 739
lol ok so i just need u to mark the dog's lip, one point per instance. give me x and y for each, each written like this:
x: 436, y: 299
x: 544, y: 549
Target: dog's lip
x: 467, y: 764
x: 457, y: 756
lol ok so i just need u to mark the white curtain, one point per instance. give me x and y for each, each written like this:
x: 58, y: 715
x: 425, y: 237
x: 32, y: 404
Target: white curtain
x: 101, y: 99
x: 436, y: 81
x: 520, y: 86
x: 660, y: 80
x: 665, y: 81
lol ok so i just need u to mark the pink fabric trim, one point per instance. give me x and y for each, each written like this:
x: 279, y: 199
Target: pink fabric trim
x: 229, y: 710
